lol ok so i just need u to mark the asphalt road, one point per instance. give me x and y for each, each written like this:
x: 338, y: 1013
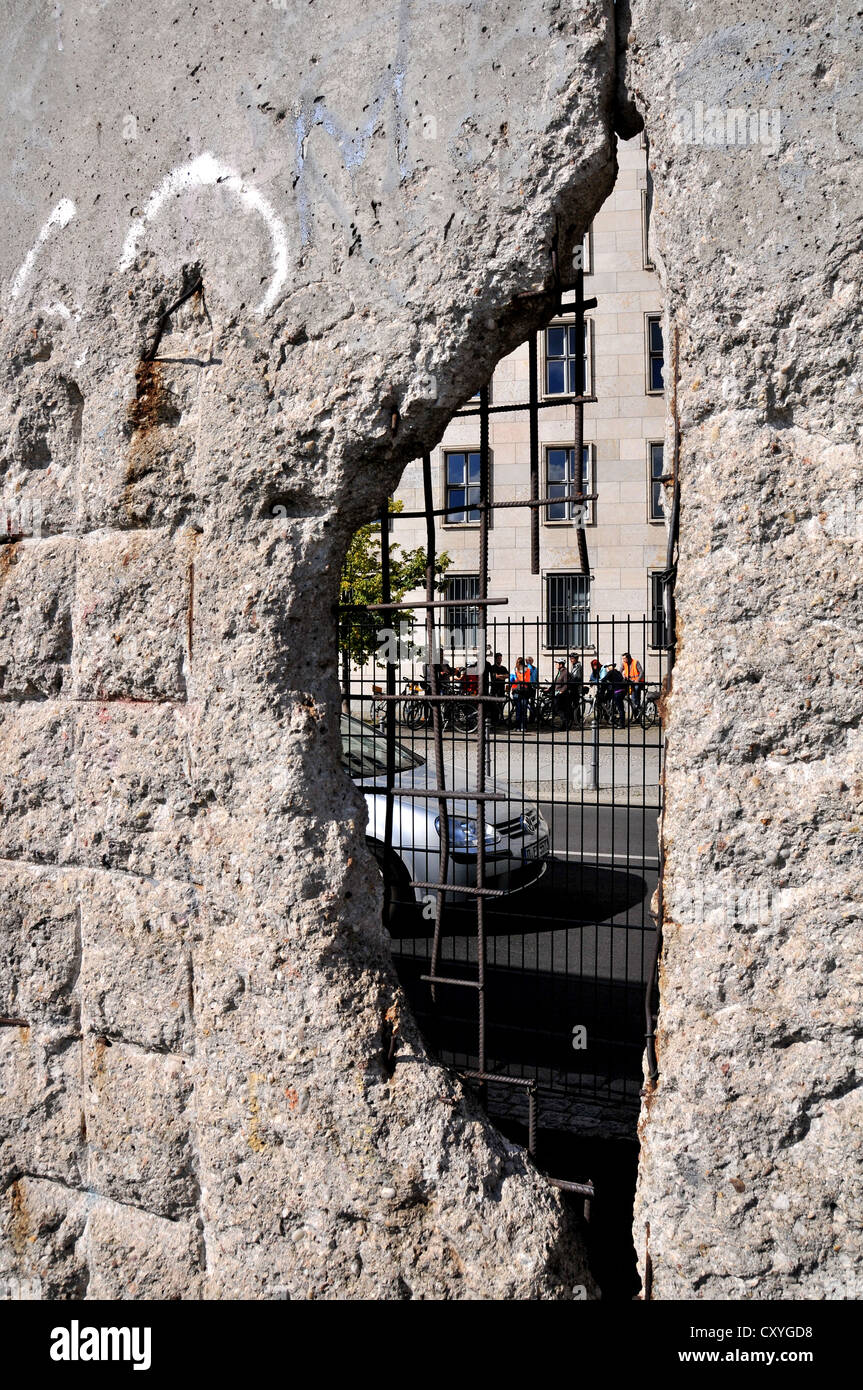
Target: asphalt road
x: 571, y: 951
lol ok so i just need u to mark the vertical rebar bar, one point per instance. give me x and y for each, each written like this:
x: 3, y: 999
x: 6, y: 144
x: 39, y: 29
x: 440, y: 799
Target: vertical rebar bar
x: 481, y: 732
x: 390, y: 717
x: 436, y: 714
x: 581, y: 346
x: 534, y: 452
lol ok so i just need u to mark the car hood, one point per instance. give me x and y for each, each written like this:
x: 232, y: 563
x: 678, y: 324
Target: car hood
x: 423, y: 778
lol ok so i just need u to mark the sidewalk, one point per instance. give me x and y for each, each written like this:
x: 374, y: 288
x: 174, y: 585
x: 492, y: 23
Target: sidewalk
x: 565, y: 771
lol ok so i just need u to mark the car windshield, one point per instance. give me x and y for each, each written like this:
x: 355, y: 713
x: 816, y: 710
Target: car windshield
x: 365, y: 752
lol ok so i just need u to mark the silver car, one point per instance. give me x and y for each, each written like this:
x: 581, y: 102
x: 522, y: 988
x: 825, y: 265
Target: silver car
x: 516, y: 837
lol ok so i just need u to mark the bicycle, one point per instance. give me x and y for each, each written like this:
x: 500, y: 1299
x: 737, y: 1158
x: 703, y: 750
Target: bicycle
x: 563, y: 709
x: 509, y: 710
x: 416, y: 710
x: 458, y: 716
x: 607, y: 711
x: 645, y: 713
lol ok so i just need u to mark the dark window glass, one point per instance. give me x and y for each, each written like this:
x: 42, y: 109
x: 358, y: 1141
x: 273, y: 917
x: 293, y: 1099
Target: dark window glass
x: 655, y: 354
x: 461, y: 624
x: 657, y: 469
x: 562, y: 481
x: 561, y: 360
x: 658, y: 624
x: 462, y: 488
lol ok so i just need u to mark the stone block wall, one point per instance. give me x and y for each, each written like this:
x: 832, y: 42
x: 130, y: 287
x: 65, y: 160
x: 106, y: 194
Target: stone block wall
x: 750, y: 1164
x: 211, y: 1086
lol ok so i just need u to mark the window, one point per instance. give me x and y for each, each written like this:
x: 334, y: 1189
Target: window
x: 567, y: 610
x: 461, y: 472
x: 560, y: 359
x: 561, y: 480
x: 656, y: 471
x: 461, y: 624
x: 658, y: 623
x: 655, y: 355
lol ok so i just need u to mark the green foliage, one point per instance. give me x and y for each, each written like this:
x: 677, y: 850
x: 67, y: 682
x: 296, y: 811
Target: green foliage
x: 362, y: 583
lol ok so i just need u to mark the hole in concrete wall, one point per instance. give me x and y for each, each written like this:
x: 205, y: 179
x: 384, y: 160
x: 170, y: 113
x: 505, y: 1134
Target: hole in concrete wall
x: 564, y: 943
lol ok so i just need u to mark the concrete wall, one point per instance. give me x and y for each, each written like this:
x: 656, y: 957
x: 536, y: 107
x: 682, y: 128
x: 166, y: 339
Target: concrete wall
x: 210, y: 1084
x: 750, y: 1159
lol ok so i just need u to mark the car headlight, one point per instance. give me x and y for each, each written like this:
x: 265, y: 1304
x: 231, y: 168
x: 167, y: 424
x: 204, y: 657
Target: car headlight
x: 464, y: 833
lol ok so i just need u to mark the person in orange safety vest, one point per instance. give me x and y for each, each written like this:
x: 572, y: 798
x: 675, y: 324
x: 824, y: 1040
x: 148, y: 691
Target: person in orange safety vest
x: 633, y: 673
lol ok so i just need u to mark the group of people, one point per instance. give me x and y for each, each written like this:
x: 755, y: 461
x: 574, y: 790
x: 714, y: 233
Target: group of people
x: 522, y: 683
x: 568, y: 683
x: 615, y: 683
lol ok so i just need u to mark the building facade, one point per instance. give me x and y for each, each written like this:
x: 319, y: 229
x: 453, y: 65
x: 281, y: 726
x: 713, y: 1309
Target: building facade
x: 622, y: 463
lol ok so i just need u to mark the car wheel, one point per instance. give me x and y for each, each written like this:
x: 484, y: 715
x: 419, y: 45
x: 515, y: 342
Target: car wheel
x: 402, y: 910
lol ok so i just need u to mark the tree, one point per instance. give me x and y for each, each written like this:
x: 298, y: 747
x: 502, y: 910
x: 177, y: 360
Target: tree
x: 362, y: 584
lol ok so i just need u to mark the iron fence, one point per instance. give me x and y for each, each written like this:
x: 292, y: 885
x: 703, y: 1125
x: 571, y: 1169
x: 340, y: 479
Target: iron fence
x: 568, y: 937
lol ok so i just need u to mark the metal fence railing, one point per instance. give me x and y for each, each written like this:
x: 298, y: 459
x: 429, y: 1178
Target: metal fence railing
x: 567, y: 933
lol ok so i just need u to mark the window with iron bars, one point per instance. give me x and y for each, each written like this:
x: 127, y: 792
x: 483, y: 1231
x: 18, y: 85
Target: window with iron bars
x: 461, y: 484
x: 567, y: 610
x: 461, y: 624
x: 560, y: 359
x: 561, y: 480
x: 659, y: 634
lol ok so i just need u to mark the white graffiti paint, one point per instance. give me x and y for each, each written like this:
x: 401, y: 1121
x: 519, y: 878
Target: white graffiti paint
x: 205, y: 171
x: 60, y: 217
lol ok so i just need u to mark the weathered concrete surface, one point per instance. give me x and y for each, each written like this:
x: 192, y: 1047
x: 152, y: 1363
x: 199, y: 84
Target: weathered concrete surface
x: 751, y: 1171
x: 201, y: 1092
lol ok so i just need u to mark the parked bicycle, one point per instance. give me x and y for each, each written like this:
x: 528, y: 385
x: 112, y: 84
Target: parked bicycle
x: 566, y: 708
x: 416, y: 710
x: 617, y: 715
x: 458, y: 716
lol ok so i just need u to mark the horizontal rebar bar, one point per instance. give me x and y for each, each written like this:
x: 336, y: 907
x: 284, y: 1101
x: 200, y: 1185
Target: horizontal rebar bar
x: 466, y: 795
x: 504, y: 1080
x: 438, y: 603
x: 497, y: 506
x: 581, y: 1189
x: 520, y: 405
x: 420, y: 697
x: 443, y: 980
x: 460, y: 888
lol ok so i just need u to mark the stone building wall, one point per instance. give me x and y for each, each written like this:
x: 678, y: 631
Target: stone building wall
x: 624, y: 543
